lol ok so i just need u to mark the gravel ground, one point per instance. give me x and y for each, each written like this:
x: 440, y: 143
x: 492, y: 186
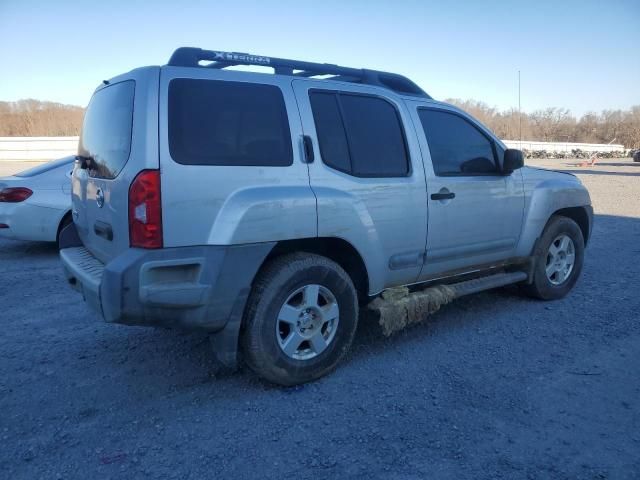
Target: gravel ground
x: 493, y: 386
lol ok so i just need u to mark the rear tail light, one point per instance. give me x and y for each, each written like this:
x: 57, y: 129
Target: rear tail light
x: 15, y: 194
x: 145, y: 210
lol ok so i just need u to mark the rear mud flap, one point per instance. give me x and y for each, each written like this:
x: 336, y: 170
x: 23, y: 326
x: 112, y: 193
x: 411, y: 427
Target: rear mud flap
x: 226, y: 343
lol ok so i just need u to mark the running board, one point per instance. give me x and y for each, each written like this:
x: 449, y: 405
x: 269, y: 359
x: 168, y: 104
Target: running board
x: 397, y: 308
x: 486, y: 283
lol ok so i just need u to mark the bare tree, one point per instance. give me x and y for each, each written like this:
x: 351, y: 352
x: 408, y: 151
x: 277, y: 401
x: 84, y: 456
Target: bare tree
x: 38, y: 118
x: 35, y: 118
x: 558, y: 125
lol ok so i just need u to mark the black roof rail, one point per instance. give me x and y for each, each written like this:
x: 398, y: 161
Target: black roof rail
x: 191, y: 57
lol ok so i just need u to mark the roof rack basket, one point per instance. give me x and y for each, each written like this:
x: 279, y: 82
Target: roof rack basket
x: 191, y: 57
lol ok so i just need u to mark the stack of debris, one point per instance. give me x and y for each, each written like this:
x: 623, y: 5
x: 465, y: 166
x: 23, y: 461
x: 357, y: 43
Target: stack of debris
x: 575, y: 153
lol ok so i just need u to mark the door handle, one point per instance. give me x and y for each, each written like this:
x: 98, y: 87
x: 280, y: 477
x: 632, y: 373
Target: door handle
x: 308, y: 148
x: 103, y: 230
x: 443, y: 195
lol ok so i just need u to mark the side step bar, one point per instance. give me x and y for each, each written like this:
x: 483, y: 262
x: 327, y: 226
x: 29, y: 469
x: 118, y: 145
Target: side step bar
x: 397, y: 308
x: 486, y: 283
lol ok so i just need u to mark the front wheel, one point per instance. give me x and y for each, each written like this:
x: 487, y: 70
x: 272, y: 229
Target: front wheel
x: 300, y: 320
x: 559, y: 257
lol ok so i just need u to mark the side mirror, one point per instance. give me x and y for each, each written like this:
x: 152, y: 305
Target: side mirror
x: 513, y: 160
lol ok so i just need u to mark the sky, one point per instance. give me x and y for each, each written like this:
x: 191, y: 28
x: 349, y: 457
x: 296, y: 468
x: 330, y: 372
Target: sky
x: 581, y: 55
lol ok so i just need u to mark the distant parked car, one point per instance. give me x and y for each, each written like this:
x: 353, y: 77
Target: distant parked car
x: 636, y: 156
x: 36, y: 204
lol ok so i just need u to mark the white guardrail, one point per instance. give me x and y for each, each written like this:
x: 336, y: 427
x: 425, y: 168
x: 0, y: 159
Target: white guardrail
x: 25, y: 149
x: 47, y: 148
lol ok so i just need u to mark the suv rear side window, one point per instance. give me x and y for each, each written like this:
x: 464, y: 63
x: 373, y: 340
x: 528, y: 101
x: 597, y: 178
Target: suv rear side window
x: 213, y: 122
x: 106, y: 129
x: 359, y: 134
x: 457, y: 147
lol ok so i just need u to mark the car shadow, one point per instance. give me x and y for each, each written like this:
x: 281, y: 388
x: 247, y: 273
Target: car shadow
x: 12, y: 248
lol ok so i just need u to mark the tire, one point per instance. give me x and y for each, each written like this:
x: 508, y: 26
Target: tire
x: 277, y: 318
x: 65, y: 222
x: 552, y: 286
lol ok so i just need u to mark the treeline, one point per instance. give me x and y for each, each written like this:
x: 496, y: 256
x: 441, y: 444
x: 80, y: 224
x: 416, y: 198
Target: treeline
x: 35, y: 118
x: 558, y: 125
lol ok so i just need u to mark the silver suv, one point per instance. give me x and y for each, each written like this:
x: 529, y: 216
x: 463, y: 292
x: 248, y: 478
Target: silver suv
x: 267, y: 209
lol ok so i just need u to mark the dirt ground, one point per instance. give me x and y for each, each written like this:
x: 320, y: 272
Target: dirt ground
x: 494, y: 385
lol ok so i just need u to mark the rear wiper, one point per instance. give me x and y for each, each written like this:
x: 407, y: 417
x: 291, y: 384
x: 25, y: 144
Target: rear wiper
x: 85, y: 162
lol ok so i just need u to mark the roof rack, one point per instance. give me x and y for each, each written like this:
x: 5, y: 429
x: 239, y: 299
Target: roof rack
x: 191, y: 57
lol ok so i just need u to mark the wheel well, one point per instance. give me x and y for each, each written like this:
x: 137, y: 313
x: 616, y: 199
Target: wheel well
x: 578, y: 215
x: 337, y: 249
x: 65, y: 217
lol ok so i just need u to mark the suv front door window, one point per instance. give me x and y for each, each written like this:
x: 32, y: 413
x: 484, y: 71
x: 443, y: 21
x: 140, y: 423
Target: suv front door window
x: 457, y: 147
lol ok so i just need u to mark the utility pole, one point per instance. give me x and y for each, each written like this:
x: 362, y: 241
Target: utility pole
x: 519, y: 110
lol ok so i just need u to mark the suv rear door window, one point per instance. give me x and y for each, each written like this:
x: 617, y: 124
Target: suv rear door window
x: 332, y: 138
x: 359, y: 134
x: 213, y: 122
x: 457, y: 147
x: 376, y: 141
x: 106, y: 129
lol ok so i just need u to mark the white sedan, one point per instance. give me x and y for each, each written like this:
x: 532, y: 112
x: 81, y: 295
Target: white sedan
x: 36, y: 204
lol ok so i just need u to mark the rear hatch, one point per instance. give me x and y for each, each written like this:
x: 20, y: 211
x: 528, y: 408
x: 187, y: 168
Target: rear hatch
x: 118, y: 140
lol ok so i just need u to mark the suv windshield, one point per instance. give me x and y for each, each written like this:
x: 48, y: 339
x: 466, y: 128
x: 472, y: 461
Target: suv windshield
x: 106, y: 130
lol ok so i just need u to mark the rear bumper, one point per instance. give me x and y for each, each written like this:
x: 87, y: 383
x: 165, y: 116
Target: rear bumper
x: 189, y: 287
x: 30, y: 222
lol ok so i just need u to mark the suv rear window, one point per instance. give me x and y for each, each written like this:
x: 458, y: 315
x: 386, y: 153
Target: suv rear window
x: 213, y: 122
x: 106, y: 129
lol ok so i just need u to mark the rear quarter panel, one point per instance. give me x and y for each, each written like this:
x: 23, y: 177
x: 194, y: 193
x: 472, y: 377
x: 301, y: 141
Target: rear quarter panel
x: 232, y: 205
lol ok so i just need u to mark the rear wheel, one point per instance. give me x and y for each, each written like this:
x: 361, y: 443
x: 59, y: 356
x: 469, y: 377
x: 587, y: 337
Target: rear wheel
x: 301, y: 319
x: 559, y: 257
x: 66, y: 221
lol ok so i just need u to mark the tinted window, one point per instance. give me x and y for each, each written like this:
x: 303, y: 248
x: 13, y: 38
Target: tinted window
x: 359, y: 134
x: 228, y: 123
x: 457, y: 147
x: 331, y: 135
x: 106, y: 129
x: 375, y: 137
x: 46, y: 167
